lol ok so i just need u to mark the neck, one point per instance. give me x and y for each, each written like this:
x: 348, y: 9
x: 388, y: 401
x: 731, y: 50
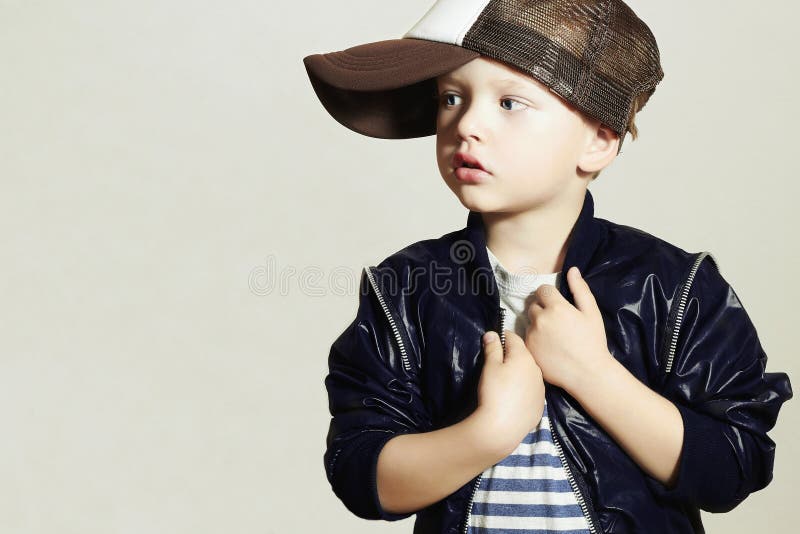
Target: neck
x: 535, y: 240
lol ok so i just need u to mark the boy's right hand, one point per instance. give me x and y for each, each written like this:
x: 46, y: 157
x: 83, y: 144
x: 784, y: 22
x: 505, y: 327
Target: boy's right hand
x: 510, y: 391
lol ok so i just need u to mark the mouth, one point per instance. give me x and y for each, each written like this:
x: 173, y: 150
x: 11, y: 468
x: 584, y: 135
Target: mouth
x: 462, y: 159
x: 468, y: 170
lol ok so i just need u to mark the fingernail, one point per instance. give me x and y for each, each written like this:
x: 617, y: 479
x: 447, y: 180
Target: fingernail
x: 488, y: 337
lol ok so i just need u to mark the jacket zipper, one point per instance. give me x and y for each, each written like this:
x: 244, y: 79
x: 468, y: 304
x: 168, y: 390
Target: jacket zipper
x: 478, y: 480
x: 392, y: 323
x: 682, y: 305
x: 575, y: 489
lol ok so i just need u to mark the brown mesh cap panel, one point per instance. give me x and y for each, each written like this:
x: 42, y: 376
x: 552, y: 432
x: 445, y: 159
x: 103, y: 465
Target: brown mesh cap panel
x: 597, y: 55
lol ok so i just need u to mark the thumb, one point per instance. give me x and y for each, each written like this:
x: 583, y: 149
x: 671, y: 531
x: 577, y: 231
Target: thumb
x: 584, y: 299
x: 492, y: 347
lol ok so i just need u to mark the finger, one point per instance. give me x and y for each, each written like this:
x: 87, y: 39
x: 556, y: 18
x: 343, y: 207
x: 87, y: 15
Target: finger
x: 534, y: 309
x: 492, y: 348
x: 546, y: 294
x: 584, y: 299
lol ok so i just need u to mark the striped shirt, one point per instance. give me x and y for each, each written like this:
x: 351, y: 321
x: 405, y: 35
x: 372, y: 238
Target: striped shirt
x: 527, y: 491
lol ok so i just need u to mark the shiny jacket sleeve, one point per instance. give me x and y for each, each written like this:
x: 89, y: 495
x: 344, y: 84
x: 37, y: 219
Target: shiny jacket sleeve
x: 373, y: 395
x: 726, y: 398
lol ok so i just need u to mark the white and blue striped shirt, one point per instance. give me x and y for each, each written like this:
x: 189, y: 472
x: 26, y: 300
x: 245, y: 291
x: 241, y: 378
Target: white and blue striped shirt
x: 527, y: 491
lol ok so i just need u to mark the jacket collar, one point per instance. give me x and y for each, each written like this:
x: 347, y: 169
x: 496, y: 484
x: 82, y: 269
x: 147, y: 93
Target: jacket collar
x: 585, y: 238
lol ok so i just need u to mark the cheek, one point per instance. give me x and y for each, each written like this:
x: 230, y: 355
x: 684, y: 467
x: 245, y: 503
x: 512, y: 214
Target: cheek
x: 533, y: 144
x: 551, y: 142
x: 439, y: 149
x: 443, y: 155
x: 535, y: 155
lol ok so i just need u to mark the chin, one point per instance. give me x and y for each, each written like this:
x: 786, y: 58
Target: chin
x: 475, y: 202
x: 472, y: 197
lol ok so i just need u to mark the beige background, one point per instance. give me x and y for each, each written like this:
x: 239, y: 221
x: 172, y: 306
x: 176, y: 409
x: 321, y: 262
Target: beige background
x: 182, y: 227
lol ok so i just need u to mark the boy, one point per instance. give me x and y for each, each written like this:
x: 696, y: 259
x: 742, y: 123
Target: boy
x: 629, y: 390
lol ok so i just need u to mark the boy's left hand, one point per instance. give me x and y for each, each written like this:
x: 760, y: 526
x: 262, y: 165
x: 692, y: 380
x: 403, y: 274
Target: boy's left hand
x: 568, y: 342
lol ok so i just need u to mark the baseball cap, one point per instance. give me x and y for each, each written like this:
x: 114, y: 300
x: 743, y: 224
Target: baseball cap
x: 595, y: 54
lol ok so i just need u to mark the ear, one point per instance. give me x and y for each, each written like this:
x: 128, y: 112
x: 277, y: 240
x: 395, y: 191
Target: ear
x: 600, y: 147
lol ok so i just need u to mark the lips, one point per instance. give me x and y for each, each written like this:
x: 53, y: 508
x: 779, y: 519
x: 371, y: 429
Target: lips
x: 468, y: 170
x: 462, y: 159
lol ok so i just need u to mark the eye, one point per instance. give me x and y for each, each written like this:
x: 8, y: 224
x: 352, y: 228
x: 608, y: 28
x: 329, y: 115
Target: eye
x: 445, y: 98
x: 514, y: 101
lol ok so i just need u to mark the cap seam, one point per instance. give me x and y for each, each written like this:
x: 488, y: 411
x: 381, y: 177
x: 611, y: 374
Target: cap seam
x: 460, y: 35
x: 591, y: 58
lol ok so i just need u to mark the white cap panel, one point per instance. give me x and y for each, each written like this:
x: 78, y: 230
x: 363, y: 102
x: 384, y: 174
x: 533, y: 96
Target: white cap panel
x: 447, y: 21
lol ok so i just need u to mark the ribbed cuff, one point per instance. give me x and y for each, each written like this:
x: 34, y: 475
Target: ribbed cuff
x: 356, y: 476
x: 708, y: 473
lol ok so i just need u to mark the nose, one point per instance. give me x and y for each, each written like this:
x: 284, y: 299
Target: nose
x: 468, y: 124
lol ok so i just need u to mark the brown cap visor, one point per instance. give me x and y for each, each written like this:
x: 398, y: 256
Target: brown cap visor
x: 385, y: 89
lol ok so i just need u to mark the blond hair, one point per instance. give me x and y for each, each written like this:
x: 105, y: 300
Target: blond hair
x: 638, y: 104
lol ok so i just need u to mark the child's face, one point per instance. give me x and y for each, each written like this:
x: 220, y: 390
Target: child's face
x: 527, y: 138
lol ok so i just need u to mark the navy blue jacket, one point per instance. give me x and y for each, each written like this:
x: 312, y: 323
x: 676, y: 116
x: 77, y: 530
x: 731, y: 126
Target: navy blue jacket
x: 411, y: 359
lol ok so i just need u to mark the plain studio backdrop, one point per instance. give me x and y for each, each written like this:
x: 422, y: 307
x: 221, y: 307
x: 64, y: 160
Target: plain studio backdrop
x: 182, y: 227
